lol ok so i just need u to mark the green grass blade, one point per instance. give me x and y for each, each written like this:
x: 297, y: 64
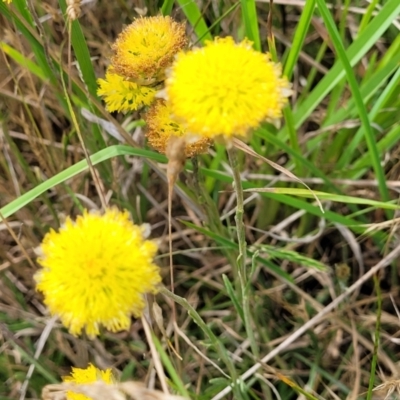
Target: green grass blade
x: 293, y: 138
x: 195, y: 18
x: 170, y: 368
x: 294, y: 202
x: 231, y: 293
x: 70, y: 172
x: 23, y: 61
x: 229, y: 244
x: 82, y: 54
x: 355, y: 52
x: 327, y: 196
x: 369, y: 134
x: 388, y: 91
x: 367, y: 16
x: 390, y: 140
x: 298, y: 38
x: 250, y: 20
x: 166, y: 8
x: 25, y: 27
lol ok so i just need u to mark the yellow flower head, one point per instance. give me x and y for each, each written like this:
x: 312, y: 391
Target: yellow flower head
x: 96, y: 271
x: 160, y: 127
x: 122, y: 95
x: 225, y: 89
x: 89, y: 375
x: 146, y: 47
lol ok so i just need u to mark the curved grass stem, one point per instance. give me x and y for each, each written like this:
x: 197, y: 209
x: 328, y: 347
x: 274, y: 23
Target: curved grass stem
x: 242, y: 284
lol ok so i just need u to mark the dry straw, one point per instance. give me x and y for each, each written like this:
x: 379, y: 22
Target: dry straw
x: 73, y: 9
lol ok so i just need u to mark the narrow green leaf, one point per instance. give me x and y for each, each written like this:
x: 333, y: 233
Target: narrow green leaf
x: 70, y: 172
x: 23, y: 61
x: 232, y: 295
x: 250, y: 20
x: 173, y: 374
x: 82, y: 53
x: 298, y: 38
x: 194, y: 16
x: 355, y: 52
x: 166, y: 8
x: 369, y: 134
x: 328, y: 196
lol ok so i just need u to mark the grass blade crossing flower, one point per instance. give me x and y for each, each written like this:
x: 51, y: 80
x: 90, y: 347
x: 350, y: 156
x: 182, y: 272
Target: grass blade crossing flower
x: 96, y: 271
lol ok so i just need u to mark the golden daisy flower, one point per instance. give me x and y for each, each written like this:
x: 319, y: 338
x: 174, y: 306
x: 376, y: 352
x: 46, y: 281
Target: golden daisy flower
x: 88, y: 375
x: 146, y: 47
x: 160, y: 127
x: 96, y: 271
x: 122, y: 95
x: 225, y: 88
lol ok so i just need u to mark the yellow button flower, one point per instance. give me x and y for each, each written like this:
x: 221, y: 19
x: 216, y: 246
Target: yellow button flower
x: 146, y: 47
x: 96, y: 271
x: 122, y: 95
x: 88, y: 375
x: 160, y: 128
x: 225, y: 89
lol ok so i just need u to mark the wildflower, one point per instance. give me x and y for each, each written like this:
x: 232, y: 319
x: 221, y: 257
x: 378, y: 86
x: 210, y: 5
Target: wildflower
x: 160, y: 128
x: 225, y: 89
x: 146, y: 47
x: 96, y: 271
x: 88, y: 375
x: 122, y: 95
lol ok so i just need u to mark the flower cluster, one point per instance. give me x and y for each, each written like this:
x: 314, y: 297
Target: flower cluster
x: 96, y: 271
x: 141, y: 53
x: 224, y: 89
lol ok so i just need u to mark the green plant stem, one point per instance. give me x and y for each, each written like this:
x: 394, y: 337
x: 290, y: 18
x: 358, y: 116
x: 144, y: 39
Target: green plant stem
x: 241, y: 230
x: 243, y: 287
x: 217, y: 344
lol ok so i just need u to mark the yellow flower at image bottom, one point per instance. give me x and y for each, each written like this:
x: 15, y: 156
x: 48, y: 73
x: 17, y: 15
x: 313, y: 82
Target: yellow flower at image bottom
x: 160, y: 128
x: 121, y: 95
x: 96, y: 270
x: 225, y: 89
x: 88, y: 375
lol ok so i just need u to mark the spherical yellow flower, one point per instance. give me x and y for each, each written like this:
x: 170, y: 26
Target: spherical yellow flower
x: 146, y: 47
x: 96, y: 271
x: 88, y: 375
x: 122, y: 95
x: 225, y: 89
x: 160, y: 127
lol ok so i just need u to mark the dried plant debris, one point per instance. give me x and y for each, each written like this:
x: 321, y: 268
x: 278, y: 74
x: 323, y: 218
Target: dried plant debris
x: 389, y: 390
